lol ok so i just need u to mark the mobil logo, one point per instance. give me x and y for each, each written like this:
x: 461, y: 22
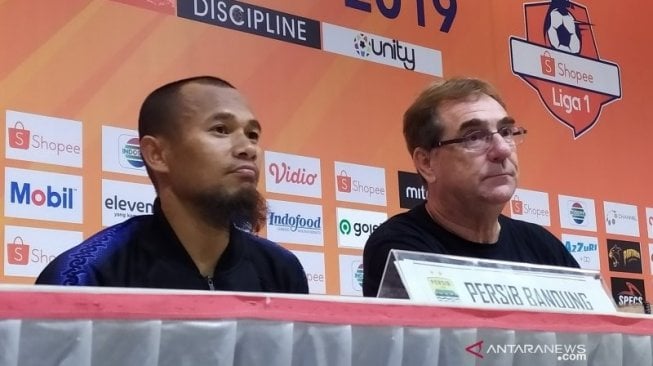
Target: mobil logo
x: 25, y: 193
x: 293, y: 174
x: 40, y: 195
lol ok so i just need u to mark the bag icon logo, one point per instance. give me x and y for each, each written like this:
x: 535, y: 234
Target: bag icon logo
x: 517, y: 206
x: 548, y: 64
x: 17, y: 252
x: 19, y: 136
x: 343, y: 181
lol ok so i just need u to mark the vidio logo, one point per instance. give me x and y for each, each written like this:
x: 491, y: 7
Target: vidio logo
x: 359, y: 229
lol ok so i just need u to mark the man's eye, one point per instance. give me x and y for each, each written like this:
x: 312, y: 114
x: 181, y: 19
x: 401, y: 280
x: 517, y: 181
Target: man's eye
x: 254, y: 135
x: 506, y: 131
x: 474, y: 135
x: 220, y: 128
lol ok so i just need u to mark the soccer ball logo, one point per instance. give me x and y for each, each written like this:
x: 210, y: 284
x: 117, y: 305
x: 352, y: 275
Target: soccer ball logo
x: 362, y: 45
x: 561, y: 28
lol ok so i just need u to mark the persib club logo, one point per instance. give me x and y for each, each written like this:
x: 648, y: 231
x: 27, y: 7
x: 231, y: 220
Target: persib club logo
x: 560, y: 60
x: 362, y: 45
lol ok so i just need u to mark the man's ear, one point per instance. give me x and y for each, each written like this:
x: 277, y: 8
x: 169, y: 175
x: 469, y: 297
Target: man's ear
x: 153, y: 151
x: 422, y: 162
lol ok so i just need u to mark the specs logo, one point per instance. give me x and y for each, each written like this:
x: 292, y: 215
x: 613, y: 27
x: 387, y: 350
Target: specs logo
x: 365, y: 45
x: 131, y: 151
x: 50, y: 198
x: 285, y: 173
x: 628, y: 291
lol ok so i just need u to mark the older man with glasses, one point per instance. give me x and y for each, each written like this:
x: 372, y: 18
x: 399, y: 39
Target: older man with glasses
x: 464, y: 146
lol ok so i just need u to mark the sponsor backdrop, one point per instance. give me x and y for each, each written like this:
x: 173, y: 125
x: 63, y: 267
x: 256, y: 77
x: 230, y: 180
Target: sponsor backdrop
x: 329, y: 80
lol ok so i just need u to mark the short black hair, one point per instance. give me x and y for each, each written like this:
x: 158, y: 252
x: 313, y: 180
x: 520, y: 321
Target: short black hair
x: 160, y: 108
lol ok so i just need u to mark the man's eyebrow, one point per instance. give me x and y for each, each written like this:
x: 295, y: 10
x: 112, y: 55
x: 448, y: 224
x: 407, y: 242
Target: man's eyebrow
x: 477, y: 122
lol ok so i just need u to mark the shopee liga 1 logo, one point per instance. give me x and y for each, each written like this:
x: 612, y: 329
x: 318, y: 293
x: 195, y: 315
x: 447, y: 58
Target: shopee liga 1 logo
x: 560, y: 60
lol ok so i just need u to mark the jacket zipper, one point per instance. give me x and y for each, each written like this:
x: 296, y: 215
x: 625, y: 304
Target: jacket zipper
x: 209, y: 279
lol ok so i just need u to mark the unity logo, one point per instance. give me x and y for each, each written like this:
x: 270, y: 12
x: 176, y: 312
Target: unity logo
x: 364, y: 45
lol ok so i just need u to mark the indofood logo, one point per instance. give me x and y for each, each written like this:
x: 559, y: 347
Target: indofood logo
x: 577, y: 212
x: 130, y: 149
x: 362, y: 45
x: 560, y: 60
x: 296, y: 223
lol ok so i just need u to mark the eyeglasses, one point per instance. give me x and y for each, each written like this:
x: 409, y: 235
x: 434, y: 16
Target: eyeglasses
x: 480, y: 140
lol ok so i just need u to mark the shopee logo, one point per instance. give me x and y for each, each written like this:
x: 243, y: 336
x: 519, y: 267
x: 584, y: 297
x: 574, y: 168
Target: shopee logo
x: 517, y: 206
x: 344, y: 182
x: 17, y: 252
x: 548, y: 64
x: 19, y: 136
x: 50, y: 198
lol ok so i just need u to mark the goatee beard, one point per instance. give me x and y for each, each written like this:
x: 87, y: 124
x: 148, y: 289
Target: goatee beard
x: 245, y: 208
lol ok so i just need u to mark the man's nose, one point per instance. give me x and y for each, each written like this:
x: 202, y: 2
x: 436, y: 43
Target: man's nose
x: 244, y: 147
x: 500, y: 149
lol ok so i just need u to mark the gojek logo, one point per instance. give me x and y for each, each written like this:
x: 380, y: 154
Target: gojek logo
x: 355, y: 226
x: 46, y: 196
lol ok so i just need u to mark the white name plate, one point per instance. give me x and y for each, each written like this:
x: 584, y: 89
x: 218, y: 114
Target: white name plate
x: 522, y: 286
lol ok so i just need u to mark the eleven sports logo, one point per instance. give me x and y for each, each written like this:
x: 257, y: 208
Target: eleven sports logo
x: 559, y: 59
